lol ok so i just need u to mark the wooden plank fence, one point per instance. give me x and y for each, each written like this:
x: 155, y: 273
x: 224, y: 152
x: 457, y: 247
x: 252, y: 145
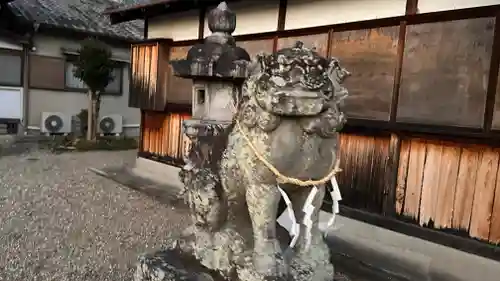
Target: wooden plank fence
x: 421, y: 142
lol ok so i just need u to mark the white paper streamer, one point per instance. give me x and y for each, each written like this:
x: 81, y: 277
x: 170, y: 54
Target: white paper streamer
x: 336, y: 197
x: 308, y: 210
x: 295, y: 228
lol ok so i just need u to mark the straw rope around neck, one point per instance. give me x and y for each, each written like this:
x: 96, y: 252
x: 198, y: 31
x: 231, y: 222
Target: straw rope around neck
x: 279, y: 176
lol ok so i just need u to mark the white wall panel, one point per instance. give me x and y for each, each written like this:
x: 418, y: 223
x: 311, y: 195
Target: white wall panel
x: 11, y: 102
x: 310, y: 13
x: 252, y: 18
x: 180, y: 26
x: 428, y: 6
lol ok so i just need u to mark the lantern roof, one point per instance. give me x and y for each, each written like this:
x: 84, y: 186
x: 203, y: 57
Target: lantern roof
x: 218, y: 56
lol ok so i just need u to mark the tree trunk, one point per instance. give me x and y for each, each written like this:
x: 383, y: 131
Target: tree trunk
x: 90, y: 118
x: 93, y: 115
x: 97, y: 108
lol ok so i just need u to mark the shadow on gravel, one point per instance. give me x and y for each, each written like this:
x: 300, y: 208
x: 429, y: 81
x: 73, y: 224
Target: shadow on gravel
x: 163, y: 193
x: 17, y: 145
x: 18, y: 149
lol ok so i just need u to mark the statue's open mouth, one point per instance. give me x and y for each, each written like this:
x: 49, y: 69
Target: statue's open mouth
x: 294, y: 103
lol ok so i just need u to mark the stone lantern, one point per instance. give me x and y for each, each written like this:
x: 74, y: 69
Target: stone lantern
x: 217, y: 67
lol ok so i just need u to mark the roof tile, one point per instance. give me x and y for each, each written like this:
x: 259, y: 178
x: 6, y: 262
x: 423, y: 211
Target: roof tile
x: 79, y: 15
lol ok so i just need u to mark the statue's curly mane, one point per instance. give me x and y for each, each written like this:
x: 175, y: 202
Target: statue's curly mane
x: 299, y: 76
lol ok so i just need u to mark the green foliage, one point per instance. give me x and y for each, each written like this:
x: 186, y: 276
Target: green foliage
x: 70, y: 143
x: 106, y: 143
x: 94, y: 65
x: 83, y: 117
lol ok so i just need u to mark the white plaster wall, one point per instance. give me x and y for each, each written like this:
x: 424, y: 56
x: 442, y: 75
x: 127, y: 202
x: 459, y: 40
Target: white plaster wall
x: 180, y: 26
x: 6, y: 44
x: 310, y: 13
x: 252, y: 18
x: 72, y: 102
x: 428, y: 6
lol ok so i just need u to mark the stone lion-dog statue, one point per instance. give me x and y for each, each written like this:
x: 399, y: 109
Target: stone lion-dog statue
x: 290, y: 113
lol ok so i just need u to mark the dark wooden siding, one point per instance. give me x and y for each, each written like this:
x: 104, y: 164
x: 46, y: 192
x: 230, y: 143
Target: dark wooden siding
x: 448, y: 185
x: 318, y: 41
x: 370, y: 55
x: 445, y: 72
x: 149, y: 75
x: 363, y: 161
x: 162, y: 137
x: 417, y: 83
x: 179, y: 89
x: 496, y: 114
x: 254, y: 47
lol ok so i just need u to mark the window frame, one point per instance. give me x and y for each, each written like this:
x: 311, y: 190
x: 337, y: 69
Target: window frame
x: 119, y: 66
x: 17, y: 53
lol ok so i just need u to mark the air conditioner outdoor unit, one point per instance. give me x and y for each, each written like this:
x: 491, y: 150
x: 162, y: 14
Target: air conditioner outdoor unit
x: 111, y: 124
x: 55, y: 123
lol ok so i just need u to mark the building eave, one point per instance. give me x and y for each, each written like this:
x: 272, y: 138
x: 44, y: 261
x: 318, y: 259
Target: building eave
x: 157, y: 8
x: 57, y: 31
x: 14, y: 37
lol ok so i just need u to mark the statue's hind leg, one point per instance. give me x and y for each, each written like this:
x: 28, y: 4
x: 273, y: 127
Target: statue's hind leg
x: 314, y: 256
x: 262, y: 201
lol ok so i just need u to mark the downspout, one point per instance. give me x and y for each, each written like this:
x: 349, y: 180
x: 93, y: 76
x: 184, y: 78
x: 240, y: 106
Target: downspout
x: 27, y: 49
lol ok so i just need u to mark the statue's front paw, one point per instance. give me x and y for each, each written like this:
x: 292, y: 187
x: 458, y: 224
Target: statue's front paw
x: 270, y: 266
x: 270, y: 263
x: 307, y: 269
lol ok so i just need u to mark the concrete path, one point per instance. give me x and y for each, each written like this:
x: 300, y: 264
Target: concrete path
x: 410, y: 257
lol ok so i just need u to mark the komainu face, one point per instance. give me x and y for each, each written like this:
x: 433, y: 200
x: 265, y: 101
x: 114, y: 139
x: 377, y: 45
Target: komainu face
x: 295, y: 81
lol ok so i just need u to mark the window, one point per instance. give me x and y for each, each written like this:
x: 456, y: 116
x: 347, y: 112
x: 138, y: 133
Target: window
x: 11, y: 70
x: 200, y: 96
x: 75, y: 83
x: 40, y: 78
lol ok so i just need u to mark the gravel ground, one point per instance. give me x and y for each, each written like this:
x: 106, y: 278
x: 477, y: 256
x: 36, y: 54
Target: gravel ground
x: 59, y: 221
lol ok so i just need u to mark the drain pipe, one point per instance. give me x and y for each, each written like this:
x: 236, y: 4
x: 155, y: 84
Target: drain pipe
x: 27, y: 49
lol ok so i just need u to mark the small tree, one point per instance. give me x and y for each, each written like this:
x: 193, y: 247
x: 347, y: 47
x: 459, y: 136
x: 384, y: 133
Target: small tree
x: 95, y: 68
